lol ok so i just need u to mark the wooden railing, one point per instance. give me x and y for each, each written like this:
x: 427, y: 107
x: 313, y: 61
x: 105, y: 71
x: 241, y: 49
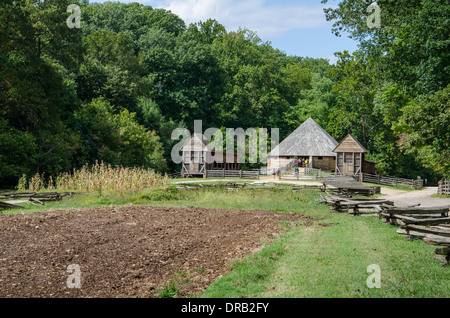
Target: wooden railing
x: 392, y: 181
x: 242, y: 174
x: 290, y: 165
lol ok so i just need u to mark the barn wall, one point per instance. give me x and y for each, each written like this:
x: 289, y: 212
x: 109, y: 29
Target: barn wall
x: 326, y: 163
x: 275, y: 163
x: 369, y: 167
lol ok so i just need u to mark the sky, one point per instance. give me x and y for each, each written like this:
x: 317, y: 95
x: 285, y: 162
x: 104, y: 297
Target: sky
x: 297, y: 27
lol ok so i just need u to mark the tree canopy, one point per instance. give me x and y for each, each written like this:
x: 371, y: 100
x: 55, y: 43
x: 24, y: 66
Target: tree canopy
x: 114, y: 89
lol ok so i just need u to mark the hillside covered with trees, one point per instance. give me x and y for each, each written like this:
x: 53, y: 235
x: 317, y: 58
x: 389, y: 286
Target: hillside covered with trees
x: 115, y: 89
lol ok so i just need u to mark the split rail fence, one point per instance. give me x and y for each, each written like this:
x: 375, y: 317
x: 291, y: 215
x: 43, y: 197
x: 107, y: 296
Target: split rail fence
x: 392, y: 181
x: 14, y: 198
x: 430, y: 224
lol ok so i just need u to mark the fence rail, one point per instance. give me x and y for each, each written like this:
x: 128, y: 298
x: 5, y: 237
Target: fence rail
x: 242, y: 174
x: 392, y: 181
x: 444, y: 187
x: 431, y: 224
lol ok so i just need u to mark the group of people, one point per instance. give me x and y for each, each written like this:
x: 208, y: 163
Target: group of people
x: 303, y: 162
x: 277, y: 173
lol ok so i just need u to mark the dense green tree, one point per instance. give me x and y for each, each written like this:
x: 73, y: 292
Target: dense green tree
x: 406, y: 60
x: 184, y: 77
x: 117, y: 139
x: 205, y: 32
x: 261, y: 84
x: 427, y: 131
x: 18, y: 153
x: 111, y: 69
x: 37, y: 86
x: 412, y: 44
x: 315, y: 102
x: 132, y: 18
x: 115, y: 89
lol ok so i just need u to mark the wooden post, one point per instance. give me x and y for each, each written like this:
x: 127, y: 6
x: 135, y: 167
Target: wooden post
x: 354, y: 166
x: 361, y: 163
x: 240, y: 174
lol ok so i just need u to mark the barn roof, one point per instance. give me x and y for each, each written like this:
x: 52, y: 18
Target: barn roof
x: 307, y: 140
x: 350, y: 144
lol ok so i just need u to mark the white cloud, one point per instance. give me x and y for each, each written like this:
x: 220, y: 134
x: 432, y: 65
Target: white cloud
x: 257, y: 15
x: 333, y: 59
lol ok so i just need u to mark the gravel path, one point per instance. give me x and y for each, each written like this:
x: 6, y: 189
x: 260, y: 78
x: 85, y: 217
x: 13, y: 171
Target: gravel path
x: 424, y: 197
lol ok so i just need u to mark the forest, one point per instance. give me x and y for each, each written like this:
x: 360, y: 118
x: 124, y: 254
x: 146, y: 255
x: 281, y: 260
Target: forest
x: 114, y: 89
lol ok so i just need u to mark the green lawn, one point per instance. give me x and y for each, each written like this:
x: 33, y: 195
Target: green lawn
x: 332, y: 261
x: 327, y: 257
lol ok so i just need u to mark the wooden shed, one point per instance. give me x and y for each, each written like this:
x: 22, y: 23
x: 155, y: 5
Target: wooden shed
x: 199, y: 154
x: 350, y: 158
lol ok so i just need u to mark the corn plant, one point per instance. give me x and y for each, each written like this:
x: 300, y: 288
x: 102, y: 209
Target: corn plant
x: 98, y: 177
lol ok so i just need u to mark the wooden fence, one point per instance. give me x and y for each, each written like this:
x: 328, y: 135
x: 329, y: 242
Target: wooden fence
x: 242, y: 174
x: 30, y: 197
x: 346, y: 185
x: 430, y: 224
x: 392, y: 181
x: 444, y: 187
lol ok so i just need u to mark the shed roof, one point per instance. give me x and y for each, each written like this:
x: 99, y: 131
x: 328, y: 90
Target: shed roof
x: 197, y: 142
x: 350, y: 144
x: 307, y: 140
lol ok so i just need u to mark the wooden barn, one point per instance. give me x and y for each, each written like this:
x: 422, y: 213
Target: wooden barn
x: 198, y: 154
x: 350, y: 158
x: 310, y: 142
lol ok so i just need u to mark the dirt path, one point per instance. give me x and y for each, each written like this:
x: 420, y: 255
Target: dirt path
x: 424, y: 197
x: 129, y: 251
x: 399, y: 197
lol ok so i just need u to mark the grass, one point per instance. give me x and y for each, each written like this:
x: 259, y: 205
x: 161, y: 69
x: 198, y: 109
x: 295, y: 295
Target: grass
x: 437, y: 195
x: 170, y: 290
x: 404, y: 188
x: 328, y: 257
x: 331, y: 261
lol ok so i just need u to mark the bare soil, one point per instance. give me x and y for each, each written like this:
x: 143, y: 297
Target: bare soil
x: 130, y: 251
